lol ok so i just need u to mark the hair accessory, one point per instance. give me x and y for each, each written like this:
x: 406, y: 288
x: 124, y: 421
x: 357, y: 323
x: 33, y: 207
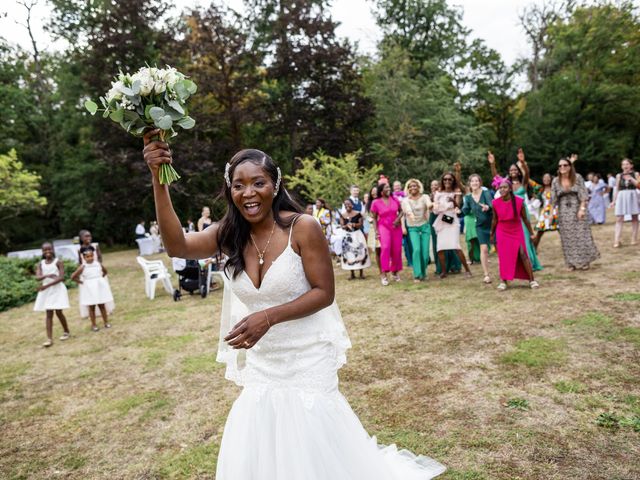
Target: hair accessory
x: 277, y: 187
x: 227, y: 167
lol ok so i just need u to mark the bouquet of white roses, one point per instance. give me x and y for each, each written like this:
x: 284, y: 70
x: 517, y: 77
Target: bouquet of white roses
x: 150, y: 98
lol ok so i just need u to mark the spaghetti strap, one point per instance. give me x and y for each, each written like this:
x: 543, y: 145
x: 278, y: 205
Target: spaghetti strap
x: 291, y: 228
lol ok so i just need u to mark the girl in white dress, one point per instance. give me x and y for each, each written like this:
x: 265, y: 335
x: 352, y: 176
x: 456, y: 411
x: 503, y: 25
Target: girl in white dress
x: 94, y: 288
x: 282, y: 336
x: 52, y: 294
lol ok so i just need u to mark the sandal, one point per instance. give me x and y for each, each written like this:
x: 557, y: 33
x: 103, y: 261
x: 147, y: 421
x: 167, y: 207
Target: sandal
x: 533, y: 284
x: 384, y: 281
x: 47, y: 344
x: 95, y: 329
x: 616, y: 245
x: 502, y: 287
x: 65, y: 336
x: 486, y: 279
x: 107, y: 325
x: 467, y: 275
x: 396, y: 278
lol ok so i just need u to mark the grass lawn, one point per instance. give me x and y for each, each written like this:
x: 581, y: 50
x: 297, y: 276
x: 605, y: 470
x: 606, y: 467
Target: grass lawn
x: 514, y: 385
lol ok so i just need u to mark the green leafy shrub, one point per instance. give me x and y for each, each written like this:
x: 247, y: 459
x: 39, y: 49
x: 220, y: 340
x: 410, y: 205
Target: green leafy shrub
x: 19, y: 285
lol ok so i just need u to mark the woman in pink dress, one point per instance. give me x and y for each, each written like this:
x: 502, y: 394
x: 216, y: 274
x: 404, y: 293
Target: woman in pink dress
x: 506, y: 230
x: 387, y: 214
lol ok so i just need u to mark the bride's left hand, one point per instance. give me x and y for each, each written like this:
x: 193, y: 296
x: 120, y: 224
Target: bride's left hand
x: 247, y: 332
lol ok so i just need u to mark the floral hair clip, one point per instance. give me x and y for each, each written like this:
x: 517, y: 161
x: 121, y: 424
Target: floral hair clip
x: 226, y: 174
x: 275, y: 191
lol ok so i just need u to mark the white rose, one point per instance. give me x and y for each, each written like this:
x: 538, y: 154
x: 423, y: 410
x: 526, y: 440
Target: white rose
x: 160, y: 86
x: 115, y: 92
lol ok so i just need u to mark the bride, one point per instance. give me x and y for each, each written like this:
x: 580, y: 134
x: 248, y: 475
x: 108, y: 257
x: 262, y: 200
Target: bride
x: 282, y: 336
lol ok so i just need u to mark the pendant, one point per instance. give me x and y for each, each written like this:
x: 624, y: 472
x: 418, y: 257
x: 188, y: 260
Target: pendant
x: 261, y: 262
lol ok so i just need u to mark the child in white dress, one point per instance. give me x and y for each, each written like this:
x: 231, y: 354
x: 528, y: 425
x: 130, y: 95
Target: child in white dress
x: 94, y: 288
x: 52, y: 294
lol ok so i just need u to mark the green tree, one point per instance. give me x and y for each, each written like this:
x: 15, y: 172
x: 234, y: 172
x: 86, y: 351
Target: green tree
x: 588, y: 96
x: 313, y: 83
x: 327, y: 177
x: 19, y: 193
x: 419, y: 130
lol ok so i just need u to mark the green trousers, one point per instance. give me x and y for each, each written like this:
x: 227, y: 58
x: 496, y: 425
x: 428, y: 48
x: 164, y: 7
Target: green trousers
x: 419, y: 238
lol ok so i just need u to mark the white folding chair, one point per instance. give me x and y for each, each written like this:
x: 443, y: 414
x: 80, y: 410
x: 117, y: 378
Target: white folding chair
x: 154, y: 271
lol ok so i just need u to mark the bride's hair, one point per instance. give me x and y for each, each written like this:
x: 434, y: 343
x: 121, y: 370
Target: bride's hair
x: 234, y: 230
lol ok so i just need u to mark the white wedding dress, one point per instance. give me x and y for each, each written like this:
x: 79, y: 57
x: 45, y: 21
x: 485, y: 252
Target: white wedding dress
x: 290, y: 421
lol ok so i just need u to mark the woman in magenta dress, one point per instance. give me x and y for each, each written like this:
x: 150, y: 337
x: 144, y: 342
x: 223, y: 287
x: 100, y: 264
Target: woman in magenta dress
x: 387, y: 214
x: 506, y: 230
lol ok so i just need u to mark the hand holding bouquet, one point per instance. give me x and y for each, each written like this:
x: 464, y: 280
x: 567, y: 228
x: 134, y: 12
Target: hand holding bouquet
x: 150, y: 98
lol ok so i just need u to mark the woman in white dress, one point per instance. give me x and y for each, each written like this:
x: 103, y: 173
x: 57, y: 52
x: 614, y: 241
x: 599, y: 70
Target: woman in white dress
x: 52, y: 293
x: 95, y: 290
x: 625, y: 201
x: 446, y: 205
x: 282, y: 337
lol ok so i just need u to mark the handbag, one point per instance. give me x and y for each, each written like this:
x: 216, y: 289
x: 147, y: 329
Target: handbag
x: 447, y: 219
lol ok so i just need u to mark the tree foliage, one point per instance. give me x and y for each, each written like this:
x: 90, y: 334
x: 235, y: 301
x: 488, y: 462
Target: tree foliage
x: 280, y: 79
x: 327, y: 177
x: 20, y: 187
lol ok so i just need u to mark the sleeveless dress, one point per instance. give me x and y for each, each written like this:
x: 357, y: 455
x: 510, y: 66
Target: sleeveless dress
x: 53, y: 298
x: 510, y: 238
x: 531, y: 250
x: 627, y: 199
x: 290, y: 421
x: 94, y: 289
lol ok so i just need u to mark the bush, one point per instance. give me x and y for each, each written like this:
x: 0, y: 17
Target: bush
x: 19, y: 285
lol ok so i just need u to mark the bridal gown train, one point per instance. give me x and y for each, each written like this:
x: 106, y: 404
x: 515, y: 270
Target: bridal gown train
x: 290, y: 421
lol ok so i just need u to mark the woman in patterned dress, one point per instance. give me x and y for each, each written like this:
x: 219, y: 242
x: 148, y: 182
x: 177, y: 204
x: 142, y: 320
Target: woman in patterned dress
x: 569, y: 195
x: 548, y: 218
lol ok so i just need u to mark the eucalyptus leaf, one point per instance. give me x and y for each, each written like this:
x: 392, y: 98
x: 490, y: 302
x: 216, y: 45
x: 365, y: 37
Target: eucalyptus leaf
x: 140, y: 130
x: 190, y: 86
x: 135, y: 88
x: 117, y: 116
x: 165, y: 123
x: 187, y: 123
x: 176, y: 106
x: 181, y: 90
x: 106, y: 113
x: 127, y: 91
x: 175, y: 116
x: 156, y: 113
x: 131, y: 115
x: 91, y: 106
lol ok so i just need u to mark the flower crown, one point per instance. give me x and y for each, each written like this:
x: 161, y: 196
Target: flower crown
x: 227, y: 178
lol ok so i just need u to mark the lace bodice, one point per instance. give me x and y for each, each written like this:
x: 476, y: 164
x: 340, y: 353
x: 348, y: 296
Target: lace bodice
x: 294, y: 343
x: 283, y: 282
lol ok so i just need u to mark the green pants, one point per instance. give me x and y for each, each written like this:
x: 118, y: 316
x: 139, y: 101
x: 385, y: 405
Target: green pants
x: 420, y: 237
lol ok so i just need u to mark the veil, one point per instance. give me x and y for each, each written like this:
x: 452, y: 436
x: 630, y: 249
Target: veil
x: 233, y: 310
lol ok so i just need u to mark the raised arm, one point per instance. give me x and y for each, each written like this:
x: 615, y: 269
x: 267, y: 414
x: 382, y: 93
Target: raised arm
x: 457, y: 171
x: 492, y: 164
x: 311, y: 244
x: 194, y: 245
x: 524, y: 167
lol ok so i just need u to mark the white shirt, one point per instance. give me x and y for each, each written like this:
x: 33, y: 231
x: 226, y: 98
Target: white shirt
x: 140, y: 229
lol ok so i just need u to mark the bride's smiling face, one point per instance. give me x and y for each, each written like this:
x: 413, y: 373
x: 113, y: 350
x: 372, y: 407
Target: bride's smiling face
x: 252, y: 191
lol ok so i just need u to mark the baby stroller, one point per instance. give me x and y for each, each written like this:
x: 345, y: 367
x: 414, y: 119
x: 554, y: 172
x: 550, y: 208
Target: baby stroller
x: 192, y: 277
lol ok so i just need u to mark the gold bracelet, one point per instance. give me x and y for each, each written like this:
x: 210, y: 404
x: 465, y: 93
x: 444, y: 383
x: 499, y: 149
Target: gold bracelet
x: 267, y: 317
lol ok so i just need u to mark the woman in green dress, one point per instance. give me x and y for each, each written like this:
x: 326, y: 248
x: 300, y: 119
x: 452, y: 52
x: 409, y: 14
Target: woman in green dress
x: 519, y: 176
x: 477, y: 206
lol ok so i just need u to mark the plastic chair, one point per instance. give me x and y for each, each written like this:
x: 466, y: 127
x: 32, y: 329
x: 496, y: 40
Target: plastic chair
x: 154, y: 271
